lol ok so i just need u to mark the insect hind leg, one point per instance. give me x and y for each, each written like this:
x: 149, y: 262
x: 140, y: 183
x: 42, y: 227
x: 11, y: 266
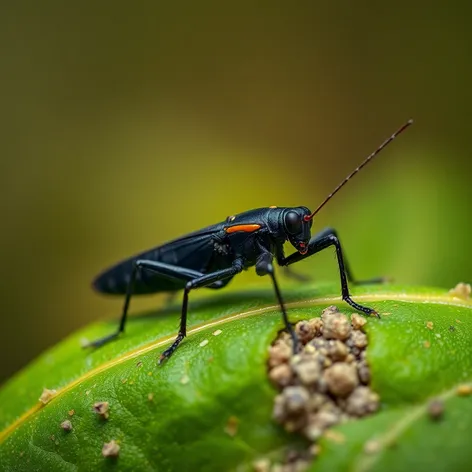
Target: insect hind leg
x: 169, y: 271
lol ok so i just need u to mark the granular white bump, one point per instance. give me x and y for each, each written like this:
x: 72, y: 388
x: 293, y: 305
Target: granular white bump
x: 203, y: 343
x: 47, y: 396
x: 217, y: 332
x: 66, y: 425
x: 111, y: 449
x: 461, y: 290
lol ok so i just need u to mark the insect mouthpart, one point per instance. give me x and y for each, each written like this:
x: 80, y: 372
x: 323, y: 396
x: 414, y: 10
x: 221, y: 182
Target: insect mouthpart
x: 302, y: 248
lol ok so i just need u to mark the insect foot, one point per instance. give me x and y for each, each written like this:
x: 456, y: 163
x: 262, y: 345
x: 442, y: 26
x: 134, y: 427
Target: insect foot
x: 168, y: 352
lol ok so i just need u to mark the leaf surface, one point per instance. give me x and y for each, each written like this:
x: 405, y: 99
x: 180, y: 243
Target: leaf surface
x: 209, y: 407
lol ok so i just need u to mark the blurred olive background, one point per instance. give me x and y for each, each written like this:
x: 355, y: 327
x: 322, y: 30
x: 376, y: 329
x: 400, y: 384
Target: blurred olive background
x: 125, y: 125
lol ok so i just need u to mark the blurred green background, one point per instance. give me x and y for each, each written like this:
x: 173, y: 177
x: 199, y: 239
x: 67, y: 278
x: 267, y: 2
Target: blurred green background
x: 123, y: 126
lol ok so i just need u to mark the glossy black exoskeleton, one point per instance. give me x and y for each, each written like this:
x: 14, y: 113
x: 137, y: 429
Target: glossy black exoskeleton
x: 212, y: 256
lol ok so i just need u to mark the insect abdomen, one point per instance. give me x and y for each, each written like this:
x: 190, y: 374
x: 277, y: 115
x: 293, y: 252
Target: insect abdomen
x: 115, y: 280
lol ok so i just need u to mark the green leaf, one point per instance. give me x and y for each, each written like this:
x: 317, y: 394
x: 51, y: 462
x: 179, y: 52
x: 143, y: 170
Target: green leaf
x: 209, y: 407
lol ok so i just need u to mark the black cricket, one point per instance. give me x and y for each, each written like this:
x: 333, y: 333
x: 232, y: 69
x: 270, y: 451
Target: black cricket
x: 212, y: 256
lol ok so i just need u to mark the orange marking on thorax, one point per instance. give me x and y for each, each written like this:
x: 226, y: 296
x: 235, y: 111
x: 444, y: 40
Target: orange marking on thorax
x: 245, y: 228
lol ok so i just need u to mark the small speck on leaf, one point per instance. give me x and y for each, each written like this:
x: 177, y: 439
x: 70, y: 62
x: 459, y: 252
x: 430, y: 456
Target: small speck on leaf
x: 102, y: 409
x: 184, y: 380
x: 139, y: 364
x: 464, y: 390
x: 47, y: 396
x: 217, y: 332
x: 335, y: 436
x: 427, y: 344
x: 203, y: 343
x: 71, y: 412
x: 461, y: 290
x: 231, y: 427
x: 261, y: 465
x: 66, y: 425
x: 150, y: 397
x: 371, y: 447
x: 111, y: 449
x: 430, y: 325
x: 436, y: 409
x: 315, y: 450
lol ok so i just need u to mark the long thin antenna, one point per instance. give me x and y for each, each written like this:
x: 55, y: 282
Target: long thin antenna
x: 366, y: 161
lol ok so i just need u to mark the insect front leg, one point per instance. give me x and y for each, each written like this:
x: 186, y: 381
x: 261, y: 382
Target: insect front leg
x: 165, y: 270
x: 324, y: 239
x: 288, y: 271
x: 264, y: 266
x: 202, y: 281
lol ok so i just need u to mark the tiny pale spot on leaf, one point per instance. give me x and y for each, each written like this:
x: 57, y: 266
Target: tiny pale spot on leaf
x: 334, y: 436
x: 111, y: 449
x: 232, y: 425
x: 47, y: 395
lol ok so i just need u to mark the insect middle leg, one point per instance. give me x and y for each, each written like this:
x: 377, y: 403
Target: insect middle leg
x: 167, y: 270
x: 203, y: 281
x: 324, y: 239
